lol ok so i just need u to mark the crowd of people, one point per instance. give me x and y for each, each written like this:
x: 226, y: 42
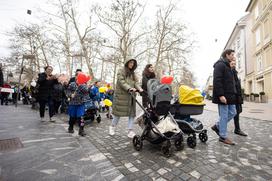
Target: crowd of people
x: 70, y: 96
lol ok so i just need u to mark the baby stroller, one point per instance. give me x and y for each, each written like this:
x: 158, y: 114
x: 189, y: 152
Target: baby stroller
x: 190, y: 102
x: 157, y: 126
x: 91, y: 112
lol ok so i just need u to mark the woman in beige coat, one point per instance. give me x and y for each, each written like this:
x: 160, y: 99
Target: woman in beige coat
x: 123, y: 103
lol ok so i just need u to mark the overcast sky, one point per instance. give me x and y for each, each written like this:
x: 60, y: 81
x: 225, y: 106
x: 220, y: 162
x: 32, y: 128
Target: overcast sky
x: 212, y: 22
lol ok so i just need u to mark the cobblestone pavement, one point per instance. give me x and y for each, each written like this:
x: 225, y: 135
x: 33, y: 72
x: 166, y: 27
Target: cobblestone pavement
x: 49, y: 152
x: 250, y: 159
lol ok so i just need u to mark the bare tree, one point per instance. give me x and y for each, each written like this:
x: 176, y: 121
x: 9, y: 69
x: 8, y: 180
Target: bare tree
x: 84, y: 37
x: 121, y: 18
x: 170, y: 39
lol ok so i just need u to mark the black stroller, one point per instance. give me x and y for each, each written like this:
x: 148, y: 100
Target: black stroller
x: 91, y: 112
x: 153, y: 119
x: 190, y: 126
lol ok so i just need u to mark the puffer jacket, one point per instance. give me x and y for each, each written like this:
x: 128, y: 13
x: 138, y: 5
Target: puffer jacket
x: 223, y: 82
x: 123, y: 103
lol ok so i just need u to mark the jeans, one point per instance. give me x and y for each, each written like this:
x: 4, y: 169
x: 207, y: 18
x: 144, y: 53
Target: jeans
x: 116, y: 119
x: 226, y: 113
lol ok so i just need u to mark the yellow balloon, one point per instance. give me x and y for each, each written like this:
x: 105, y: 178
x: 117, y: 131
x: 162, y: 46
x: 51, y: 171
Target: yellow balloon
x: 102, y: 89
x: 107, y: 102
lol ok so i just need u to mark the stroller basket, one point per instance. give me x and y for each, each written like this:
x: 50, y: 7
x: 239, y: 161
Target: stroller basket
x: 184, y: 109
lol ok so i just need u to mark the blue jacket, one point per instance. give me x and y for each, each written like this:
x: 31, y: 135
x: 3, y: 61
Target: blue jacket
x: 95, y: 94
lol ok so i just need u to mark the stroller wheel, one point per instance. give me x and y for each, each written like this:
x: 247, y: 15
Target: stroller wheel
x: 191, y: 142
x: 137, y: 142
x: 179, y: 144
x: 203, y: 137
x: 98, y: 119
x: 166, y: 150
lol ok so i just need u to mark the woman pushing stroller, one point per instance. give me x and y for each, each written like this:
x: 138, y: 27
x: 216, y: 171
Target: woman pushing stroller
x: 123, y: 103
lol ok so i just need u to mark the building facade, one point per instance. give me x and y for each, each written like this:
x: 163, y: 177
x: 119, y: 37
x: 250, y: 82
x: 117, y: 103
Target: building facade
x: 238, y: 42
x: 259, y: 52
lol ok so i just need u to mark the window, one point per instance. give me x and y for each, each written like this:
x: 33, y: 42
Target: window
x: 238, y: 61
x: 259, y: 63
x: 238, y: 42
x: 266, y: 28
x: 258, y: 36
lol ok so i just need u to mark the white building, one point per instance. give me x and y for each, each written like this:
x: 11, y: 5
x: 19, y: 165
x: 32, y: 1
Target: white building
x: 238, y: 42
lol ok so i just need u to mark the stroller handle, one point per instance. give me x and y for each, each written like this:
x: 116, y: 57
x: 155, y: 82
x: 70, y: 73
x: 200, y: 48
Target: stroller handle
x: 141, y: 106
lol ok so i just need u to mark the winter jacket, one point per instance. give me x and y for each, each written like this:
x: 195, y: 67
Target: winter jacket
x: 95, y: 94
x: 80, y: 93
x: 58, y: 92
x: 123, y: 103
x: 145, y: 79
x: 45, y: 87
x: 1, y: 78
x: 223, y: 82
x: 238, y: 88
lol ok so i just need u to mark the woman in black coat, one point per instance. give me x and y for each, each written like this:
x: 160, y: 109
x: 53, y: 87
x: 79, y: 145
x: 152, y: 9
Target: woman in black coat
x: 148, y: 73
x: 239, y: 100
x: 46, y: 82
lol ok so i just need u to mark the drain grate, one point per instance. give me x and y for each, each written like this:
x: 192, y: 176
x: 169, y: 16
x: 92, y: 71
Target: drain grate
x: 10, y: 144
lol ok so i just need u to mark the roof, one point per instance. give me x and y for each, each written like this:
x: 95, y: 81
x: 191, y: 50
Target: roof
x: 235, y: 27
x: 249, y: 5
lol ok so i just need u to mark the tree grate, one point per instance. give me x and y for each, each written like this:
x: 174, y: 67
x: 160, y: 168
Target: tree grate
x: 10, y: 144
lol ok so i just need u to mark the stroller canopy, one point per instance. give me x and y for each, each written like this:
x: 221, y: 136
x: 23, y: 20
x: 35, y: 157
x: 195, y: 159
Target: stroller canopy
x: 190, y: 96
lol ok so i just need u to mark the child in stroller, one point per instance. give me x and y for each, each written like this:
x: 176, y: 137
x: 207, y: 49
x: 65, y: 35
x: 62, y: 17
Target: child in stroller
x: 190, y: 102
x: 92, y: 105
x: 157, y: 126
x: 91, y: 112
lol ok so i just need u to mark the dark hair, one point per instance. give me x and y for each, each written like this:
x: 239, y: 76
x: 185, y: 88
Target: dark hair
x: 130, y: 72
x: 45, y: 68
x: 147, y: 73
x: 227, y: 52
x: 78, y: 70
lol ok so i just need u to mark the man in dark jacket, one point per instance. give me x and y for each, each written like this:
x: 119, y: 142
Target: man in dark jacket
x: 73, y: 79
x: 1, y: 76
x: 239, y: 101
x: 224, y: 94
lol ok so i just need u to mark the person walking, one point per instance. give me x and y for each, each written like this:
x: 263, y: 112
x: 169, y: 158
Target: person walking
x: 148, y: 73
x: 46, y: 82
x: 58, y: 95
x: 1, y: 76
x: 5, y: 95
x: 73, y: 79
x: 239, y: 102
x: 1, y: 80
x: 76, y: 110
x: 224, y: 94
x: 123, y: 103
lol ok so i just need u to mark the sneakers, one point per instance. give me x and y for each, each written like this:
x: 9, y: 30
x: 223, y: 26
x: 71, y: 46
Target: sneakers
x: 42, y: 119
x: 226, y: 141
x: 215, y: 129
x: 112, y: 130
x: 240, y: 132
x: 131, y: 134
x: 52, y: 119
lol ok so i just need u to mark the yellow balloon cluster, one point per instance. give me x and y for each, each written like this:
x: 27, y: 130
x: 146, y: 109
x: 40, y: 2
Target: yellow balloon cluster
x: 103, y: 89
x: 107, y: 102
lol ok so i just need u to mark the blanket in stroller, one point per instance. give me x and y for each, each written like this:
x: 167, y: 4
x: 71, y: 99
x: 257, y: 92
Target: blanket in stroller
x: 164, y: 125
x: 190, y: 96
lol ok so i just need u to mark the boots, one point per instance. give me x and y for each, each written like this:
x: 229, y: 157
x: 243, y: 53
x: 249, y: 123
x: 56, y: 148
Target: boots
x: 72, y: 121
x: 81, y: 131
